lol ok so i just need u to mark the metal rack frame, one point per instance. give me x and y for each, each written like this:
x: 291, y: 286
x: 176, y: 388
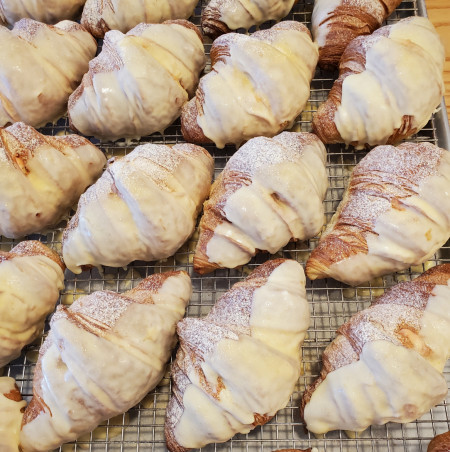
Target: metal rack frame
x: 331, y: 303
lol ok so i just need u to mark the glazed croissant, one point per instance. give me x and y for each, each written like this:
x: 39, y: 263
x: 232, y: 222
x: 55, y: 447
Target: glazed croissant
x: 143, y: 207
x: 139, y: 82
x: 258, y: 86
x: 41, y: 177
x: 100, y: 16
x: 40, y: 66
x: 395, y: 213
x: 31, y: 276
x: 47, y: 11
x: 11, y: 412
x: 222, y: 16
x: 386, y: 363
x: 335, y: 23
x: 270, y: 192
x: 389, y: 85
x: 238, y: 366
x: 101, y: 357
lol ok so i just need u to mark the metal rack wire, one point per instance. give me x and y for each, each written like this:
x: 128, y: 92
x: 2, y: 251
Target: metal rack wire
x: 331, y: 303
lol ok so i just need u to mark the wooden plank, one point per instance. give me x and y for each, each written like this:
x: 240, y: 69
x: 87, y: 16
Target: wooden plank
x: 439, y: 14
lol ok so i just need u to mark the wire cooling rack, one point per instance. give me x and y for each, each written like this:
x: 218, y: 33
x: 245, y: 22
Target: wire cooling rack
x: 331, y: 304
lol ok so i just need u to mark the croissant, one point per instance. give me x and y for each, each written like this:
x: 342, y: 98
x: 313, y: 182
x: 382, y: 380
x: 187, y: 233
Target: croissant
x: 238, y: 366
x: 100, y: 16
x: 143, y: 207
x: 395, y: 213
x: 440, y: 443
x: 31, y: 276
x: 335, y: 24
x: 270, y: 192
x: 49, y: 12
x: 222, y: 16
x: 40, y: 66
x: 41, y: 177
x: 386, y: 363
x: 389, y: 85
x: 101, y: 357
x: 258, y: 86
x: 11, y: 412
x: 139, y: 82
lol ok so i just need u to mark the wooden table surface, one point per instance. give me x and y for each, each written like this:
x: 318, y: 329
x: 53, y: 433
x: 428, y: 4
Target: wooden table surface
x: 439, y: 14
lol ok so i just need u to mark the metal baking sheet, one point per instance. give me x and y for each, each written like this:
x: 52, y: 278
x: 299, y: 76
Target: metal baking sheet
x: 331, y: 304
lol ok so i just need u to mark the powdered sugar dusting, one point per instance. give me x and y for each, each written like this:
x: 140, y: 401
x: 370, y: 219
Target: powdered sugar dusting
x: 104, y: 307
x: 401, y: 307
x: 230, y: 316
x: 385, y: 174
x: 261, y: 152
x: 374, y: 8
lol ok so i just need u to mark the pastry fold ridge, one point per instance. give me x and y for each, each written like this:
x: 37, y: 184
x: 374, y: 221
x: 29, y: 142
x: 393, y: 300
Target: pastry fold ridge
x: 335, y: 24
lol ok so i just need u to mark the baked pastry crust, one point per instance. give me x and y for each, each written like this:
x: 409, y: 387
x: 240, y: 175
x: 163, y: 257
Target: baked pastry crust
x: 386, y: 362
x: 223, y: 16
x: 395, y: 213
x: 40, y: 66
x: 238, y: 366
x: 270, y: 192
x: 100, y: 16
x: 139, y: 82
x: 11, y: 412
x: 440, y: 443
x: 335, y: 24
x: 389, y: 85
x: 31, y: 276
x: 41, y: 177
x: 47, y: 11
x: 103, y: 354
x: 258, y: 85
x: 144, y: 207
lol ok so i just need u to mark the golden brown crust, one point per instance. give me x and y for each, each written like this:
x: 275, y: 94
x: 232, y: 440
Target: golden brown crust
x: 386, y: 185
x: 440, y: 443
x: 32, y: 248
x: 348, y: 21
x: 98, y: 29
x: 371, y: 323
x: 211, y: 25
x: 223, y: 187
x: 190, y: 129
x: 14, y: 394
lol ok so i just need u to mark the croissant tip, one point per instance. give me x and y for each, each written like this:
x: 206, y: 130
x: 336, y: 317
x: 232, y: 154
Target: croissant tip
x: 203, y: 266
